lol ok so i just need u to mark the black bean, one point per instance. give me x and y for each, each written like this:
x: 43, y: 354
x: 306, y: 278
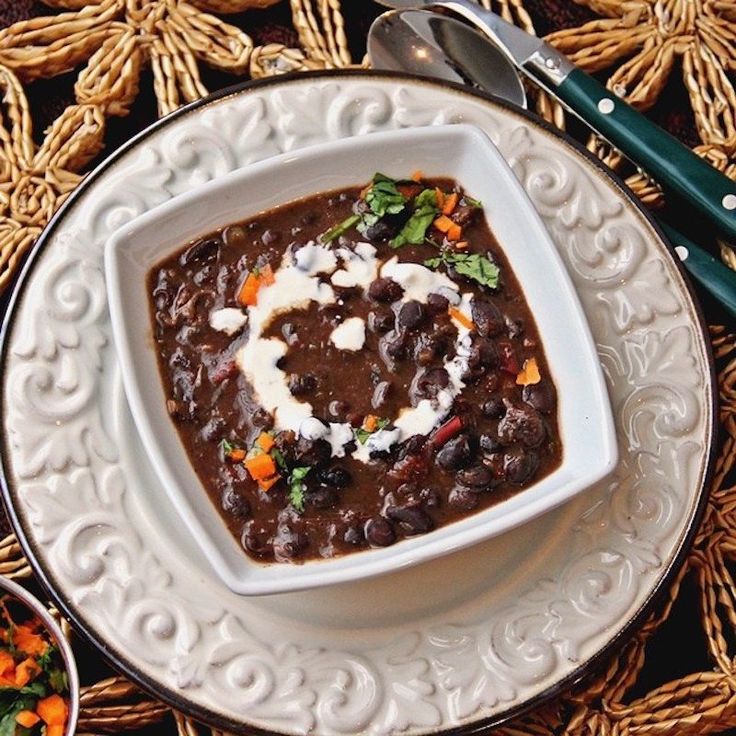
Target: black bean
x: 476, y: 476
x: 455, y: 454
x: 385, y: 290
x: 487, y: 317
x: 463, y: 499
x: 429, y: 382
x: 394, y: 344
x: 380, y: 322
x: 522, y: 424
x: 379, y: 231
x: 520, y: 466
x: 256, y: 540
x: 353, y: 535
x: 514, y: 327
x: 235, y: 504
x: 234, y: 236
x: 465, y: 214
x: 289, y: 543
x: 302, y: 384
x: 338, y: 409
x: 334, y: 476
x: 493, y: 408
x: 290, y: 334
x: 322, y: 497
x: 379, y: 532
x: 412, y: 519
x: 540, y: 396
x: 203, y: 275
x: 270, y: 236
x: 489, y: 444
x: 483, y: 354
x: 380, y: 394
x: 411, y: 315
x: 201, y: 252
x: 312, y: 452
x: 437, y: 304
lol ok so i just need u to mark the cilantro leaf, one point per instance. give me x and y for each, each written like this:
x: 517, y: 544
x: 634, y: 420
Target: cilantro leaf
x: 296, y: 487
x: 227, y: 447
x: 383, y: 197
x: 415, y: 228
x: 474, y: 266
x: 473, y: 202
x: 58, y: 680
x: 277, y: 455
x: 362, y: 435
x: 340, y: 228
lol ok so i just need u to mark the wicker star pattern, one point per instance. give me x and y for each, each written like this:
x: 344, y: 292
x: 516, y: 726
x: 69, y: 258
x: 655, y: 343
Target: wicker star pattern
x: 652, y: 36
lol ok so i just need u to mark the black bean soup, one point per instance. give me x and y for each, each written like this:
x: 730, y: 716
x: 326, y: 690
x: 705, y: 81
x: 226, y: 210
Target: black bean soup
x: 354, y: 368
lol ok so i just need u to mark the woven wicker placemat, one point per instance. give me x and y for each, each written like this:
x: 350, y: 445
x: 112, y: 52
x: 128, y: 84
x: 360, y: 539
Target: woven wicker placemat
x: 119, y: 52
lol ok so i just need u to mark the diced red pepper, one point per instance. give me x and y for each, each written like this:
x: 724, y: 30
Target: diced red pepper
x: 445, y: 432
x: 509, y: 361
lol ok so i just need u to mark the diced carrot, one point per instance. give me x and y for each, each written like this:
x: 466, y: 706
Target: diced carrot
x: 237, y: 455
x: 461, y: 244
x: 529, y: 374
x: 455, y: 232
x: 265, y: 441
x: 440, y: 197
x: 458, y: 316
x: 26, y: 671
x: 364, y: 191
x: 417, y: 176
x: 443, y: 223
x: 265, y: 275
x: 370, y: 423
x: 53, y: 710
x: 27, y: 719
x: 55, y: 730
x: 261, y: 466
x: 27, y: 641
x: 265, y: 483
x: 248, y: 294
x: 450, y: 202
x: 7, y: 663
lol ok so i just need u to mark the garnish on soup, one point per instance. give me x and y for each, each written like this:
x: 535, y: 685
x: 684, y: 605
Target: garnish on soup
x: 34, y: 692
x: 354, y: 368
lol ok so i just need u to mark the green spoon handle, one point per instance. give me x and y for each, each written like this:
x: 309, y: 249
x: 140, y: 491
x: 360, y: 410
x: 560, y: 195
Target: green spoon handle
x: 674, y: 166
x: 708, y: 271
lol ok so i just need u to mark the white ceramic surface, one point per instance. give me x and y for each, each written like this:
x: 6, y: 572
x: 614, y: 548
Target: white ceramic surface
x: 441, y: 645
x: 462, y: 152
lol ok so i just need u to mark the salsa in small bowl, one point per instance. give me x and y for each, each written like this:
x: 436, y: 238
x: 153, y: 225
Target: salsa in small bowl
x: 39, y: 686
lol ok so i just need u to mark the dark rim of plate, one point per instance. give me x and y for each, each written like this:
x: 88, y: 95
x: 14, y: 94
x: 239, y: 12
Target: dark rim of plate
x: 172, y: 697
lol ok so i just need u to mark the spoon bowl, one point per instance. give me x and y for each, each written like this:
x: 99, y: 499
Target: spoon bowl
x: 432, y: 45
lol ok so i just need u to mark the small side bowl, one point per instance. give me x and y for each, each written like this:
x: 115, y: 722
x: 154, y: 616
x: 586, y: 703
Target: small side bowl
x: 460, y: 151
x: 70, y: 665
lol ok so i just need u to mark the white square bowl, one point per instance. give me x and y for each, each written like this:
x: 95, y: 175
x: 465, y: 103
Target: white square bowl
x: 462, y: 152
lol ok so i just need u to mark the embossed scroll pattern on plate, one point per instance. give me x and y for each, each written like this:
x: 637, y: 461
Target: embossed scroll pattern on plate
x: 472, y: 635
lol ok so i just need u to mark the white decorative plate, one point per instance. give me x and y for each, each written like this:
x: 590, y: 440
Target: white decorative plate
x: 467, y: 639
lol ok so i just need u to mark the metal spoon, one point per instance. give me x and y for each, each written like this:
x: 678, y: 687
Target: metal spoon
x: 433, y: 45
x: 425, y: 43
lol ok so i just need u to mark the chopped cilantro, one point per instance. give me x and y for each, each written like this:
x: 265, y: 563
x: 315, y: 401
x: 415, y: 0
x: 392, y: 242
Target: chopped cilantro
x: 58, y: 680
x: 279, y: 458
x: 474, y: 266
x: 227, y: 447
x: 340, y: 228
x: 383, y: 197
x: 415, y: 228
x: 362, y: 435
x: 473, y: 202
x: 296, y: 487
